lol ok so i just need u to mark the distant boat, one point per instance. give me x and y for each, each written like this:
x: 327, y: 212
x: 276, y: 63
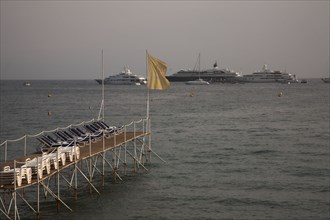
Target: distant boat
x: 269, y: 76
x: 326, y: 80
x: 303, y: 81
x: 198, y: 81
x: 27, y: 84
x: 125, y: 77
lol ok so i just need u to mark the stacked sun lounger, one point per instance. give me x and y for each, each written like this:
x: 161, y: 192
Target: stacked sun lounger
x: 7, y: 176
x: 38, y: 166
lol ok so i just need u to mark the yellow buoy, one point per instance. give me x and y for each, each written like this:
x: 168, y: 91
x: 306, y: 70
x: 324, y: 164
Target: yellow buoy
x: 49, y: 113
x: 49, y: 95
x: 192, y: 94
x: 280, y: 94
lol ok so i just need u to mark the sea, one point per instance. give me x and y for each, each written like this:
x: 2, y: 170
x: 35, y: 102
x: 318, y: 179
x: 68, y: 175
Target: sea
x: 231, y: 151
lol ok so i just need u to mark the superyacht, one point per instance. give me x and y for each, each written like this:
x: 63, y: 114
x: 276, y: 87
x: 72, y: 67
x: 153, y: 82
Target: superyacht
x: 125, y: 77
x: 211, y: 75
x: 268, y: 76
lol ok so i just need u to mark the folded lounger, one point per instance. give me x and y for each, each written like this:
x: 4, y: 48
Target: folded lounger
x: 94, y: 131
x: 48, y: 143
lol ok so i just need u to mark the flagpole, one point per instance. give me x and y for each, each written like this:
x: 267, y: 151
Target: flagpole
x: 103, y: 141
x: 103, y: 86
x: 148, y: 127
x: 148, y: 92
x: 101, y: 111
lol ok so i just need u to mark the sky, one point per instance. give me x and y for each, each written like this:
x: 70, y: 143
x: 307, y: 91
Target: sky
x: 64, y: 39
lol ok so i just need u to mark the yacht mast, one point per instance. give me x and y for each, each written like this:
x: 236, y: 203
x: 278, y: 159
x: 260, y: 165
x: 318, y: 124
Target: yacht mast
x: 199, y: 65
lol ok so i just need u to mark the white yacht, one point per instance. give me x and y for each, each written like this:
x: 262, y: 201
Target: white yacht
x: 268, y: 76
x: 125, y: 77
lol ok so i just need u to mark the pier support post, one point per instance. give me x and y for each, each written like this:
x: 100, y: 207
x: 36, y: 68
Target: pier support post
x: 149, y: 138
x: 115, y: 173
x: 58, y: 205
x: 134, y: 165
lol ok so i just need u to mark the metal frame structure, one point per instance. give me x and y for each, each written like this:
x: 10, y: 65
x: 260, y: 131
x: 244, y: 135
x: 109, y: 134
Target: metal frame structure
x: 86, y: 163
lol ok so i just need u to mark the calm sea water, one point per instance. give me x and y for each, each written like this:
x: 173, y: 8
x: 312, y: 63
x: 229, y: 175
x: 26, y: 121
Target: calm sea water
x: 233, y: 151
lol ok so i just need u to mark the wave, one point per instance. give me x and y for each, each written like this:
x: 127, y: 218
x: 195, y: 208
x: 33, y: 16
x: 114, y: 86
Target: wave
x: 250, y: 202
x: 263, y: 152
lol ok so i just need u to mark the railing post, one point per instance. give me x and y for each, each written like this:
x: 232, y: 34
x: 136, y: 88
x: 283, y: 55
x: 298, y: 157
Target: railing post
x: 75, y: 168
x: 149, y: 138
x: 114, y: 156
x: 38, y: 188
x: 24, y: 145
x: 125, y: 145
x: 15, y: 182
x: 90, y: 161
x: 6, y: 151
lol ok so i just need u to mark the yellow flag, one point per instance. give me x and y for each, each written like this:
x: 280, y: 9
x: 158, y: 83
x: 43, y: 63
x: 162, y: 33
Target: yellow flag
x: 156, y: 74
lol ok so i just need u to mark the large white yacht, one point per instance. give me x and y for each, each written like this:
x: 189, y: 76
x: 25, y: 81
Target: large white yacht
x: 268, y: 76
x: 125, y: 77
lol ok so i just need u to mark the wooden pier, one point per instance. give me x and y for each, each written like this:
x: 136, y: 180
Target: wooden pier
x: 24, y: 179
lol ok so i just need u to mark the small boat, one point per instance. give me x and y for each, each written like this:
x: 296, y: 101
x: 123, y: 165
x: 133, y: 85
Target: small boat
x: 326, y: 80
x: 197, y: 82
x: 303, y: 81
x: 27, y: 84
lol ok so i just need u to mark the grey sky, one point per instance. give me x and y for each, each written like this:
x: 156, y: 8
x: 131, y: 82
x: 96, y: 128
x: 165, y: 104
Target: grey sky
x: 63, y: 39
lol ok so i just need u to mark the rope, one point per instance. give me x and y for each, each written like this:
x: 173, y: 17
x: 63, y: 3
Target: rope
x: 16, y: 139
x: 50, y: 131
x: 139, y: 121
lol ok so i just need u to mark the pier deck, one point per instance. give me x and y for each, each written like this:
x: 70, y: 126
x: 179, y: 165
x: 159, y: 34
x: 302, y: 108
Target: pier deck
x: 86, y: 151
